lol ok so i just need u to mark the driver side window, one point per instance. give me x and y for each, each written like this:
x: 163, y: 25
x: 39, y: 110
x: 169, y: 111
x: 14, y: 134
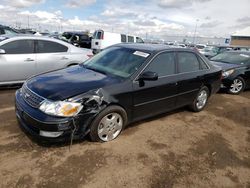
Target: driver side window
x: 163, y: 64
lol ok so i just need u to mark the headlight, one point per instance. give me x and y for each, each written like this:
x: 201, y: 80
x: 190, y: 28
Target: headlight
x: 227, y: 73
x: 60, y: 108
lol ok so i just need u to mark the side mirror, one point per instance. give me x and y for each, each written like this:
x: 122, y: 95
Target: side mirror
x: 148, y: 76
x: 2, y: 51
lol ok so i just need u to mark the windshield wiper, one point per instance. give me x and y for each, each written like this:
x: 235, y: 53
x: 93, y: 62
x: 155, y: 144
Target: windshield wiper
x: 220, y: 61
x: 94, y: 69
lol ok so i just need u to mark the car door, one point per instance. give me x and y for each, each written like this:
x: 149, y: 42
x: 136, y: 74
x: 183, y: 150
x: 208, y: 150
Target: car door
x: 19, y: 61
x: 51, y: 56
x: 189, y: 77
x: 154, y: 97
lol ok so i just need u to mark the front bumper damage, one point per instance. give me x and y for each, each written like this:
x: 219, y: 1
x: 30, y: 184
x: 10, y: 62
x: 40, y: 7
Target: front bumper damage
x: 43, y: 127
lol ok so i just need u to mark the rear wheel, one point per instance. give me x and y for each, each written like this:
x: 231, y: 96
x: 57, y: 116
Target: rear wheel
x: 108, y: 124
x: 237, y: 86
x: 201, y: 99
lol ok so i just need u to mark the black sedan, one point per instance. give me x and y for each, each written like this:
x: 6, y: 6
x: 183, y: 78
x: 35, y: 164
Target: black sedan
x: 120, y: 85
x: 236, y: 70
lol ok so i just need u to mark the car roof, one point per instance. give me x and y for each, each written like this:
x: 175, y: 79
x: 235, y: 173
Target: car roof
x: 151, y: 47
x: 29, y: 36
x: 77, y: 32
x: 33, y: 37
x: 218, y: 46
x: 238, y: 52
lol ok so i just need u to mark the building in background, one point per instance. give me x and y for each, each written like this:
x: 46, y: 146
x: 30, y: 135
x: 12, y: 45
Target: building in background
x: 241, y: 37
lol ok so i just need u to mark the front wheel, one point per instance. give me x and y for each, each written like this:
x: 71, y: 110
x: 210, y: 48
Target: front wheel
x: 108, y: 124
x: 237, y: 86
x: 201, y: 99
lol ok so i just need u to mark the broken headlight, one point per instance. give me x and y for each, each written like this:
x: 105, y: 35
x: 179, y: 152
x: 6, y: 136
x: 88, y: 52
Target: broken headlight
x: 225, y: 74
x: 61, y: 108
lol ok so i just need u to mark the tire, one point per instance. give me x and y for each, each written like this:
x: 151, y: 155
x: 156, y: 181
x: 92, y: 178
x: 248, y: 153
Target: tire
x: 237, y: 86
x: 200, y: 100
x: 108, y: 124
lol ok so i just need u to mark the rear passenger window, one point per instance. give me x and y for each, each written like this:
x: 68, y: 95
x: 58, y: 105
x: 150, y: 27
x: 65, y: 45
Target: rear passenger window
x: 203, y: 65
x: 123, y: 38
x: 163, y: 64
x: 19, y: 47
x: 187, y: 62
x: 139, y: 40
x: 50, y: 47
x: 130, y: 39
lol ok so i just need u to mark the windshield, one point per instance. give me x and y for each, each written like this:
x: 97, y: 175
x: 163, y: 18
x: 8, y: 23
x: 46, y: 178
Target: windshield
x: 10, y: 31
x: 211, y: 49
x: 117, y: 61
x: 67, y: 35
x: 98, y: 35
x: 233, y: 58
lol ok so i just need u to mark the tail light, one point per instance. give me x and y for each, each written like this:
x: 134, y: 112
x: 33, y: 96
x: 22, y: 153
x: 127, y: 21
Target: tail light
x: 90, y: 55
x: 102, y: 35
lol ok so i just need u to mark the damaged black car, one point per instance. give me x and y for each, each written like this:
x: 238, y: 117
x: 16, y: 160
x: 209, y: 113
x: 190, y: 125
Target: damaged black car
x: 122, y: 84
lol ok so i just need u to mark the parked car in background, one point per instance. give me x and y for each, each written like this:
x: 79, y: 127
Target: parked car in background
x: 169, y: 43
x: 200, y: 47
x: 25, y: 56
x: 181, y: 45
x: 241, y: 48
x: 211, y: 51
x: 120, y: 85
x: 7, y: 30
x: 79, y: 39
x: 236, y: 70
x: 103, y: 39
x: 27, y: 31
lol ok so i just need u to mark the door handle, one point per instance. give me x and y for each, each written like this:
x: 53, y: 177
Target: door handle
x: 29, y: 59
x: 64, y: 58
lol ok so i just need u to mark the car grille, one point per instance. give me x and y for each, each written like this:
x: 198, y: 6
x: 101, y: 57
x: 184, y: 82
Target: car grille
x: 30, y: 97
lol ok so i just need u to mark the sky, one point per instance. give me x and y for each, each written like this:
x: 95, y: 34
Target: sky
x: 156, y: 18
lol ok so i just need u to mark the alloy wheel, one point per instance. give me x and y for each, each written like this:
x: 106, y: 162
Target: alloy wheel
x: 236, y: 86
x: 201, y: 99
x: 110, y: 127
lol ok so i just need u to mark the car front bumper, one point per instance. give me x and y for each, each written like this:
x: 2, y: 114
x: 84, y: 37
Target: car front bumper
x: 41, y: 126
x: 226, y: 82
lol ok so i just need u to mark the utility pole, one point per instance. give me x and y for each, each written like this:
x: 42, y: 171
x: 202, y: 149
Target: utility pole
x: 28, y: 21
x: 195, y: 31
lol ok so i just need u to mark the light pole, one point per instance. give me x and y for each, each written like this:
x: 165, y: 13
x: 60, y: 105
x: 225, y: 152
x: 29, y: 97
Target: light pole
x: 195, y: 31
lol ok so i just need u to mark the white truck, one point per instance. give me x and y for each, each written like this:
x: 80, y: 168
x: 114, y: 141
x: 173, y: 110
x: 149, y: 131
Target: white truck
x: 102, y: 39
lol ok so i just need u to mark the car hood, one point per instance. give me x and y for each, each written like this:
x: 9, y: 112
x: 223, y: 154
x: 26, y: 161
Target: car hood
x: 225, y: 66
x: 69, y: 82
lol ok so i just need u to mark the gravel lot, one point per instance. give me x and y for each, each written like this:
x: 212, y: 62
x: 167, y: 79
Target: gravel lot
x: 178, y: 149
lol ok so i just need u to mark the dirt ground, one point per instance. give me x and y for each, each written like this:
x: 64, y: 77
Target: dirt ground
x: 178, y: 149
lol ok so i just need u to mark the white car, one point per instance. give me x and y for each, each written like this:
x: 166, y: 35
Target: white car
x: 24, y: 56
x: 102, y: 39
x: 200, y: 47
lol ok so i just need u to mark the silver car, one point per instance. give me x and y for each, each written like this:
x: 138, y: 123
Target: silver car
x: 24, y: 56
